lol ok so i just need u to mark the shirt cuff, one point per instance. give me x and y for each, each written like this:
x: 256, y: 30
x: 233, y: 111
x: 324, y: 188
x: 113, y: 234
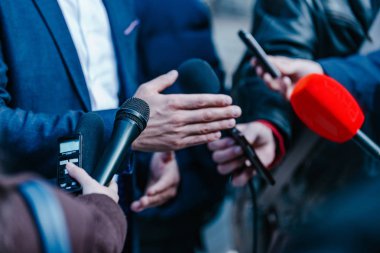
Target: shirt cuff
x: 280, y: 141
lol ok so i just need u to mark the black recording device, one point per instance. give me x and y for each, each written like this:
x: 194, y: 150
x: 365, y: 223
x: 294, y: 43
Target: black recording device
x: 70, y: 150
x: 86, y: 145
x: 197, y: 76
x: 254, y: 47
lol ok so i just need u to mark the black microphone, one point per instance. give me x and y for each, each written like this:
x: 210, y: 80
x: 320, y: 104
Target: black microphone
x: 131, y: 119
x: 197, y: 76
x: 91, y: 127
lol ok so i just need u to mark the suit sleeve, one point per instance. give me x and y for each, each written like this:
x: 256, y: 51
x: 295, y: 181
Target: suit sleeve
x: 29, y: 136
x: 360, y: 74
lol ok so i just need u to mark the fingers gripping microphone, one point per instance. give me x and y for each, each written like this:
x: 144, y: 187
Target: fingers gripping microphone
x: 91, y: 127
x: 131, y: 119
x: 197, y: 76
x: 328, y: 109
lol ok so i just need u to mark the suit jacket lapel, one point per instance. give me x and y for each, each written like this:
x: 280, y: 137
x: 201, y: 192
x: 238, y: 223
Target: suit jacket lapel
x: 53, y: 17
x: 121, y: 16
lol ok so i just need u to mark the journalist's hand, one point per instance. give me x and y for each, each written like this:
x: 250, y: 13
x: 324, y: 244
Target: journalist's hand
x: 163, y: 182
x: 178, y: 121
x: 292, y: 71
x: 230, y: 158
x: 89, y: 185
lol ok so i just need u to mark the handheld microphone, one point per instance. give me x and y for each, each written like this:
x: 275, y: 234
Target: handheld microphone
x: 91, y: 127
x: 328, y: 109
x: 197, y: 76
x: 131, y: 119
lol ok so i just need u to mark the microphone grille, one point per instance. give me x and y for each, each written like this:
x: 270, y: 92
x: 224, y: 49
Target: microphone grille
x: 135, y: 109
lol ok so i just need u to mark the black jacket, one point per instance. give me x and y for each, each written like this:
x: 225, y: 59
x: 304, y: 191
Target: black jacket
x: 313, y: 29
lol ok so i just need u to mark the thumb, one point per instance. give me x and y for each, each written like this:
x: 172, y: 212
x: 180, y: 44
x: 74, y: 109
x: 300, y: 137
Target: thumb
x: 78, y: 174
x: 162, y: 184
x: 251, y: 131
x: 162, y: 82
x: 286, y: 66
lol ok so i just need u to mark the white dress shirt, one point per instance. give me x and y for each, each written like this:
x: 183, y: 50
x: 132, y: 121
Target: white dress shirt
x: 90, y: 30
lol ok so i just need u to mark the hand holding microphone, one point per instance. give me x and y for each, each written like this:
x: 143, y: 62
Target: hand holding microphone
x: 131, y: 119
x: 230, y: 156
x: 90, y: 185
x: 292, y: 70
x: 323, y: 104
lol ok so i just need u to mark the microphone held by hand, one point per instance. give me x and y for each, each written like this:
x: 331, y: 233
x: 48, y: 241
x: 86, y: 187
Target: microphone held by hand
x: 131, y: 119
x: 328, y: 109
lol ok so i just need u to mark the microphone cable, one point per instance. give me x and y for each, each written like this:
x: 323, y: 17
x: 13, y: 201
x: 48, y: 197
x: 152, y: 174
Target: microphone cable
x: 255, y: 217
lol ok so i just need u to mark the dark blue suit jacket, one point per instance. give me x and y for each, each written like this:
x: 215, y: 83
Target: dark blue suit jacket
x: 42, y: 88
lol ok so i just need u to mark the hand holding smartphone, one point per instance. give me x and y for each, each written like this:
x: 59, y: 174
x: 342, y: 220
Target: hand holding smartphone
x: 254, y: 47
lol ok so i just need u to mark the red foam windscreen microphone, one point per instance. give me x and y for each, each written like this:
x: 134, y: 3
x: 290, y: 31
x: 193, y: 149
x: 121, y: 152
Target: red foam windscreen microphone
x: 328, y: 109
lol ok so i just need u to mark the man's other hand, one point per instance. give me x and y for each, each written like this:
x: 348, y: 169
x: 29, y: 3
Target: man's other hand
x: 178, y: 121
x: 163, y: 182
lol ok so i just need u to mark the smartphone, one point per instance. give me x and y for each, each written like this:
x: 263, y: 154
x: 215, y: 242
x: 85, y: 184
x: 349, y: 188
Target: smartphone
x: 70, y: 150
x: 255, y: 48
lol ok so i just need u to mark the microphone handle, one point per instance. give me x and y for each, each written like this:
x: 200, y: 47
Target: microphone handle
x: 367, y: 144
x: 124, y: 133
x: 250, y: 153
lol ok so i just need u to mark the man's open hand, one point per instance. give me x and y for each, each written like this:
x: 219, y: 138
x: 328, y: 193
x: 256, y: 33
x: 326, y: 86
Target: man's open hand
x: 178, y: 121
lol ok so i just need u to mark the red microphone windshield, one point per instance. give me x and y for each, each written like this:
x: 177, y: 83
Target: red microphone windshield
x: 327, y: 108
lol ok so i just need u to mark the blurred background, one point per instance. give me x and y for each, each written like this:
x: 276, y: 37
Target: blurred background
x: 228, y: 16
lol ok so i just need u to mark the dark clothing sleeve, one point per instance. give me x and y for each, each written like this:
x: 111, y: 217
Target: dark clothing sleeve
x: 28, y: 135
x: 258, y: 102
x: 95, y: 222
x: 312, y: 29
x: 303, y: 29
x: 360, y: 74
x: 285, y: 27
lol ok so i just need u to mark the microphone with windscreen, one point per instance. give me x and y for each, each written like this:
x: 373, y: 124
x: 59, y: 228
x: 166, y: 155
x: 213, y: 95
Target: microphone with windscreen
x: 131, y: 119
x: 91, y: 127
x: 328, y: 109
x: 197, y: 76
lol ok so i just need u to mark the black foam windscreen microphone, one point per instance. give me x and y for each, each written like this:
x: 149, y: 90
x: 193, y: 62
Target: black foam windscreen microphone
x: 131, y: 119
x: 197, y: 76
x: 91, y: 127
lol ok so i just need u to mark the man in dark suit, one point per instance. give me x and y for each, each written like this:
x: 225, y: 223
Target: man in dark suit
x: 51, y: 73
x: 60, y: 59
